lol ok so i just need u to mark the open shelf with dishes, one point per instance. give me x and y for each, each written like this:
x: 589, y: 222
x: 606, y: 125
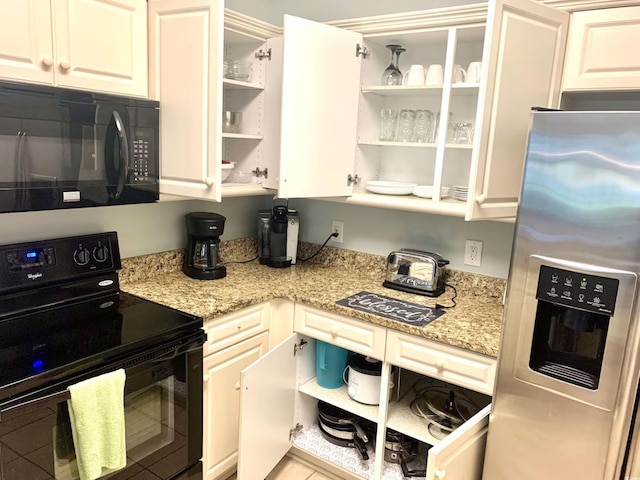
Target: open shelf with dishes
x: 403, y: 143
x: 247, y: 118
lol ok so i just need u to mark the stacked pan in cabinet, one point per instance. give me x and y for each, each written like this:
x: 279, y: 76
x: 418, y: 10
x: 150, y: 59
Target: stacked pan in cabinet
x: 279, y: 410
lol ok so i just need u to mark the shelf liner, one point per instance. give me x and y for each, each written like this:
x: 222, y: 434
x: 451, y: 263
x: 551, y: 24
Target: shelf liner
x: 391, y: 308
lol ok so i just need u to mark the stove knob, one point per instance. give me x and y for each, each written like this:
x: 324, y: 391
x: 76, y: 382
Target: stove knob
x: 101, y: 253
x: 82, y: 256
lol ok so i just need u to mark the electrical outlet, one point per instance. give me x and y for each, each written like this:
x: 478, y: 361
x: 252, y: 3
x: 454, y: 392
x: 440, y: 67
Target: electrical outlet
x: 337, y: 227
x: 473, y: 253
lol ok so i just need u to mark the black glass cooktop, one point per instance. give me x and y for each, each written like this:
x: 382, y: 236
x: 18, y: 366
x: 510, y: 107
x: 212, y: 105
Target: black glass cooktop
x: 51, y: 335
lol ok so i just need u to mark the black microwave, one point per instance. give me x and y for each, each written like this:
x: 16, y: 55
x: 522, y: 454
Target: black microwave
x: 62, y: 148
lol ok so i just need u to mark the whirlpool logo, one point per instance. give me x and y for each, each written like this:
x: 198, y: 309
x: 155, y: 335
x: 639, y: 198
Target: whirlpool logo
x: 34, y: 276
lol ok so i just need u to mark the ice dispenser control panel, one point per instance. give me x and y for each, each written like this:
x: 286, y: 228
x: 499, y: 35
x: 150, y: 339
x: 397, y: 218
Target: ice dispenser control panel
x: 578, y: 290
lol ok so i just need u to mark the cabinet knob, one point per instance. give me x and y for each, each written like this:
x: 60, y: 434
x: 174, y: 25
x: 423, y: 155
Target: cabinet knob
x: 237, y: 386
x: 65, y: 65
x: 209, y: 182
x: 334, y: 332
x: 440, y: 364
x: 205, y: 378
x: 440, y: 474
x: 47, y: 61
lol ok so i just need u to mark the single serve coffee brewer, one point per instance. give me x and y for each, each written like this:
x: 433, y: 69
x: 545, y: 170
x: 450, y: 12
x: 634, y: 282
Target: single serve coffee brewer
x: 202, y: 255
x: 278, y: 236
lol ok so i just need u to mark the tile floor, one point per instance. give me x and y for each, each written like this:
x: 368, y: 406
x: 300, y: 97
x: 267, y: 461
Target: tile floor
x: 289, y: 469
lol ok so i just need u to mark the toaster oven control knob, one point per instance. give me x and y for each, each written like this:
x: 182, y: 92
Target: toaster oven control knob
x: 101, y: 253
x: 81, y: 256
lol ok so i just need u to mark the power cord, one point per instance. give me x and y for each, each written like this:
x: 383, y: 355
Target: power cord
x: 333, y: 234
x: 453, y: 299
x: 241, y: 261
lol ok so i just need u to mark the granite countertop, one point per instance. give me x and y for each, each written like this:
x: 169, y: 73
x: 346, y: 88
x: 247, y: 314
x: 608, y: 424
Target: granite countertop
x: 474, y: 324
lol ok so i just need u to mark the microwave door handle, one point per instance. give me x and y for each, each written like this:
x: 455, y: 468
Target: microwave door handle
x: 20, y: 174
x: 123, y: 148
x: 52, y: 399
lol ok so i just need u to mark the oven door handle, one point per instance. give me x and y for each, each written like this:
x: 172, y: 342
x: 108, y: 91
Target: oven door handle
x: 54, y: 398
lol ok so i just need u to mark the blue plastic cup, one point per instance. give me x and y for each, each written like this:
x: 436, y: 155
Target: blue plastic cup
x: 330, y: 364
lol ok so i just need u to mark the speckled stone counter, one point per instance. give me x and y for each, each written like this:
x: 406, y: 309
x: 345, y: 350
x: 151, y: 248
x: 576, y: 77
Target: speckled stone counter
x: 474, y: 324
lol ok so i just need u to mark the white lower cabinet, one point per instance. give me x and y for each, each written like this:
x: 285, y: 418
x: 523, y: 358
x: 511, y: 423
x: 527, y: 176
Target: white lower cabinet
x: 234, y: 342
x: 279, y: 397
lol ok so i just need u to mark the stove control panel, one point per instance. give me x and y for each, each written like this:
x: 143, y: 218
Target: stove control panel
x: 578, y: 290
x: 57, y: 260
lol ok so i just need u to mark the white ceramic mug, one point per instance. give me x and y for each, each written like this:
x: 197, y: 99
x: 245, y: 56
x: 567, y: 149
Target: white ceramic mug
x: 459, y: 74
x: 435, y: 75
x: 474, y: 72
x: 415, y: 76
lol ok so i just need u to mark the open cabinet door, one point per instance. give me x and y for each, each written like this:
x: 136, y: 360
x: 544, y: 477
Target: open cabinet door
x: 185, y: 72
x: 267, y: 394
x: 523, y: 54
x: 320, y: 92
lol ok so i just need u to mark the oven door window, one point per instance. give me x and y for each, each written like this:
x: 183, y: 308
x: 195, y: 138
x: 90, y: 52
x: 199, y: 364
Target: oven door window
x: 36, y: 441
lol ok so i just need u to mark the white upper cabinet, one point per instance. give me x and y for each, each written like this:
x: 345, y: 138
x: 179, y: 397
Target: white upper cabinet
x: 601, y: 50
x: 185, y: 68
x: 86, y: 44
x: 524, y: 51
x: 320, y: 83
x: 509, y: 64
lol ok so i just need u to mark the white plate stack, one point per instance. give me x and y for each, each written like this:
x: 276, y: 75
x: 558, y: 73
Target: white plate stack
x: 426, y: 191
x: 460, y: 193
x: 390, y: 188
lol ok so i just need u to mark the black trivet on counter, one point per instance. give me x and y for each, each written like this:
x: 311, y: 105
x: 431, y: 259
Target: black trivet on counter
x: 391, y: 308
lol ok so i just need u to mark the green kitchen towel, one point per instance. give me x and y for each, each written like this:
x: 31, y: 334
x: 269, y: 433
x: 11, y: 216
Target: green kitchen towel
x: 96, y: 410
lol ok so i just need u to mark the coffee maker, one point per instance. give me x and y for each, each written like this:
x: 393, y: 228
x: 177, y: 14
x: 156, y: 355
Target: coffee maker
x: 202, y: 256
x: 278, y: 236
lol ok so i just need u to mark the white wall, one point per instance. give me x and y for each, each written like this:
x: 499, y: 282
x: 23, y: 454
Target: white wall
x: 379, y: 231
x: 271, y: 11
x: 142, y: 229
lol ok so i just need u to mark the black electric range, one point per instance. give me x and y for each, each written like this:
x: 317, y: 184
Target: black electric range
x: 62, y: 312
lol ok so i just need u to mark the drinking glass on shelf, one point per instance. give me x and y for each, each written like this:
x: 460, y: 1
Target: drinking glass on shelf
x: 388, y: 124
x: 392, y: 74
x: 423, y: 125
x: 436, y: 127
x: 406, y: 122
x: 463, y: 132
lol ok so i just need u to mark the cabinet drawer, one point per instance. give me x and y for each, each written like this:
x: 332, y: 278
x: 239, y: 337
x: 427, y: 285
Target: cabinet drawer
x: 230, y: 329
x: 450, y: 364
x: 354, y: 335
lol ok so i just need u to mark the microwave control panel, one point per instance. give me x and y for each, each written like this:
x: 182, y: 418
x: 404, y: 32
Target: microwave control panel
x: 143, y: 156
x: 577, y: 290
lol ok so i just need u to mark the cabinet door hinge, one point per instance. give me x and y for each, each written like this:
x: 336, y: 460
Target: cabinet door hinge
x: 261, y: 173
x: 294, y: 431
x: 299, y: 346
x: 360, y: 50
x: 261, y: 55
x: 353, y: 179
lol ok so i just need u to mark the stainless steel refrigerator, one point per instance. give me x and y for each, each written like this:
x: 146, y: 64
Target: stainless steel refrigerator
x: 565, y: 400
